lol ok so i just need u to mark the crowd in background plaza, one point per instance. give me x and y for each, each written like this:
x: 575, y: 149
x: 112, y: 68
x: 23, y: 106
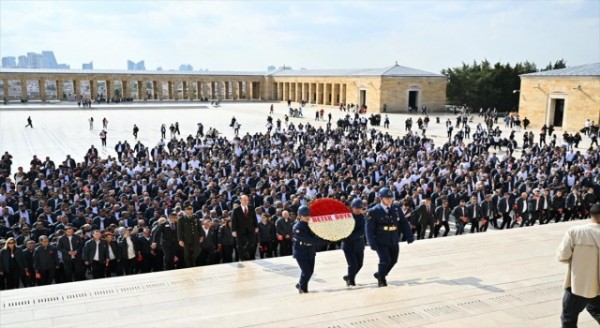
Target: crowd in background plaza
x: 115, y: 216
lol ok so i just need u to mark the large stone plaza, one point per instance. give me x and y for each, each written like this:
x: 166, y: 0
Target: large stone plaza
x: 477, y: 280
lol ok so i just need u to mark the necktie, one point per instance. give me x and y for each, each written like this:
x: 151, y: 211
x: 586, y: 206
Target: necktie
x: 428, y: 209
x: 174, y: 226
x: 245, y: 211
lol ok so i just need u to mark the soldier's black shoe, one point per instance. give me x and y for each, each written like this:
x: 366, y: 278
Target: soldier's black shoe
x: 380, y: 281
x: 349, y: 282
x: 300, y: 290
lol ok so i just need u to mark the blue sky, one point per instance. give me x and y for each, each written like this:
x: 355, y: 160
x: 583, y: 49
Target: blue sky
x: 251, y: 35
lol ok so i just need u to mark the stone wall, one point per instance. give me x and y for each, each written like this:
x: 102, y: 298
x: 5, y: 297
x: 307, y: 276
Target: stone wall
x: 581, y: 95
x: 395, y: 90
x: 318, y: 90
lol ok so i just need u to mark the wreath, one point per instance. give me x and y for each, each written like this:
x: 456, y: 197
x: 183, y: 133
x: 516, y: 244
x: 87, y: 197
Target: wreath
x: 330, y: 219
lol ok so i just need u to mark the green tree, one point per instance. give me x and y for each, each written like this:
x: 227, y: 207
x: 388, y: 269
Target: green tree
x: 557, y: 64
x: 489, y: 86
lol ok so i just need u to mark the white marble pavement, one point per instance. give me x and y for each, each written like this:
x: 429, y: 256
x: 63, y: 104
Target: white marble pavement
x: 496, y: 279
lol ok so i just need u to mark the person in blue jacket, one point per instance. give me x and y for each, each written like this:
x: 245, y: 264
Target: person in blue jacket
x: 354, y: 245
x: 384, y: 219
x: 305, y: 248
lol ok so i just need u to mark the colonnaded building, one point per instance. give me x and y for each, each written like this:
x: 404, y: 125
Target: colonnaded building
x: 564, y: 98
x: 393, y: 89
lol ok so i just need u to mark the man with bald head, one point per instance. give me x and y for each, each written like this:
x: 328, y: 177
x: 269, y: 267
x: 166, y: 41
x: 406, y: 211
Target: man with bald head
x: 244, y: 227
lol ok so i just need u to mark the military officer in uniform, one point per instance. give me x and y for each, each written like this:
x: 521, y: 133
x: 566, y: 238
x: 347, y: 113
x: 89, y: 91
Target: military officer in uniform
x: 188, y: 234
x: 354, y: 245
x: 383, y: 221
x: 305, y: 248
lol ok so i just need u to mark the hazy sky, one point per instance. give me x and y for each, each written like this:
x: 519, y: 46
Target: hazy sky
x: 252, y: 35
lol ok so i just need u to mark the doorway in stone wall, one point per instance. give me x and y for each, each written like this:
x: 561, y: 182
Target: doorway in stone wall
x: 362, y: 97
x: 413, y: 99
x: 557, y: 112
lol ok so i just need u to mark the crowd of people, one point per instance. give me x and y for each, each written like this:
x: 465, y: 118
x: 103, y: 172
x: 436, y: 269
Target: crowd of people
x: 135, y: 213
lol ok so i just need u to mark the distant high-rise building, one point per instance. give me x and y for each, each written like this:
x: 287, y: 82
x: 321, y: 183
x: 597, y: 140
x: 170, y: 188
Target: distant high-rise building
x: 9, y: 62
x: 34, y: 60
x: 48, y: 59
x: 186, y: 68
x: 63, y: 66
x: 22, y: 63
x: 159, y: 68
x: 140, y: 66
x: 271, y: 68
x: 89, y: 65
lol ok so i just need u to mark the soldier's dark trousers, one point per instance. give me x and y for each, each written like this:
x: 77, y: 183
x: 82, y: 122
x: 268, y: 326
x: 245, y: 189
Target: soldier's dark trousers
x: 307, y: 266
x: 355, y: 262
x: 388, y: 256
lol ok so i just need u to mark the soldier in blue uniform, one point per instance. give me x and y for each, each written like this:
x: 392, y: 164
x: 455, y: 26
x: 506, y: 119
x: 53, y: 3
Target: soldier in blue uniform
x: 305, y: 248
x: 354, y: 245
x: 384, y: 219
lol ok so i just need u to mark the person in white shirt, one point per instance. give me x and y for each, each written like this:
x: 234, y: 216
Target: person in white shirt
x: 580, y: 248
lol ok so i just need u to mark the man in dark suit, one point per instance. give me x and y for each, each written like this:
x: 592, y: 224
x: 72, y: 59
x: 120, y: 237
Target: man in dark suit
x: 95, y: 254
x: 283, y: 228
x: 188, y: 234
x: 461, y: 217
x: 244, y: 226
x: 426, y: 218
x: 487, y: 212
x: 167, y: 234
x: 442, y: 215
x: 144, y: 241
x: 504, y: 207
x: 208, y: 243
x: 71, y: 248
x: 113, y: 256
x: 522, y: 210
x: 535, y: 207
x: 45, y: 261
x: 474, y: 213
x: 102, y: 221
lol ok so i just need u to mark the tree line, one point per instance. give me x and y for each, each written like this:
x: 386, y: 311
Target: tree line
x: 489, y: 86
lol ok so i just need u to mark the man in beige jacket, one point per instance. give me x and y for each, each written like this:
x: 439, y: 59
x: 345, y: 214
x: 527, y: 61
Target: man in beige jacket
x: 580, y: 248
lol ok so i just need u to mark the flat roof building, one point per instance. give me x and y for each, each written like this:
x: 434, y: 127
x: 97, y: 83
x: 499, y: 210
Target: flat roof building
x: 390, y: 89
